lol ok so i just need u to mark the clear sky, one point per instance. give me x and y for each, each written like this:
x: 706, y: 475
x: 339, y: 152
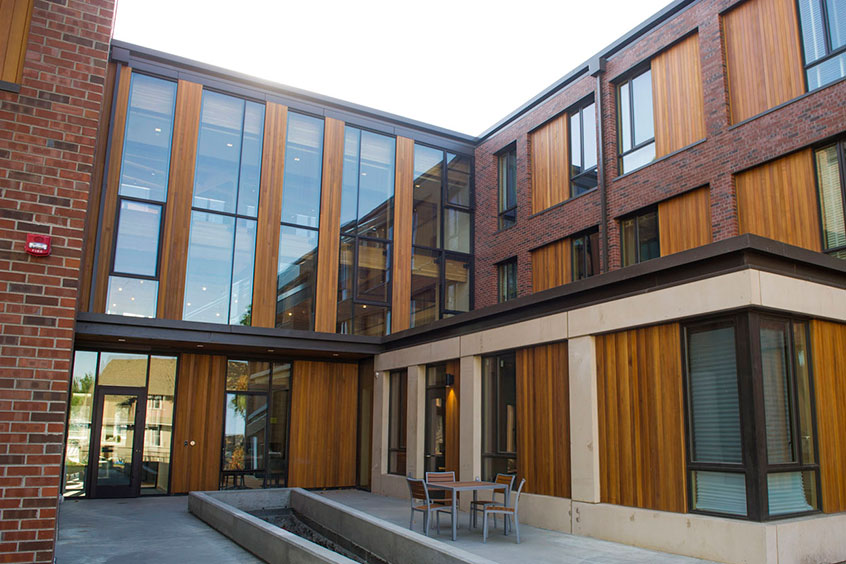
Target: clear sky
x: 458, y: 64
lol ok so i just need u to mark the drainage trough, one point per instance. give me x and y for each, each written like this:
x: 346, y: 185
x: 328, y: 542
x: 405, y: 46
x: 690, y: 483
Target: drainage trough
x: 244, y: 517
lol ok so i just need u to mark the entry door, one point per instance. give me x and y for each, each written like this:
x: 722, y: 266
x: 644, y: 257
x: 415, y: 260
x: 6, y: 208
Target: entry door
x: 118, y: 441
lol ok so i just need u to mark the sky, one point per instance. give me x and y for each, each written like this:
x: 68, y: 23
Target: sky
x: 458, y: 64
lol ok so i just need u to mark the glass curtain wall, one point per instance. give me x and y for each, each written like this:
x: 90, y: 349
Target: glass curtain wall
x: 142, y: 194
x: 499, y: 416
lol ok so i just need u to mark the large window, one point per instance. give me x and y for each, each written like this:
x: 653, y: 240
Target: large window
x: 145, y: 164
x: 636, y: 128
x: 507, y: 280
x: 367, y: 219
x: 435, y: 439
x: 507, y: 166
x: 639, y: 234
x: 585, y: 254
x: 296, y: 274
x: 442, y: 240
x: 583, y: 149
x: 830, y: 165
x: 823, y: 40
x: 222, y: 244
x: 752, y: 440
x: 499, y: 416
x: 397, y: 422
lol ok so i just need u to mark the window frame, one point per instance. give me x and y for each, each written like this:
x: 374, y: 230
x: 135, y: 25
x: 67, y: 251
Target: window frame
x: 830, y: 53
x: 840, y: 147
x: 498, y: 455
x: 635, y: 216
x: 629, y: 80
x: 579, y: 110
x: 503, y: 294
x: 506, y: 216
x: 587, y: 234
x: 402, y: 446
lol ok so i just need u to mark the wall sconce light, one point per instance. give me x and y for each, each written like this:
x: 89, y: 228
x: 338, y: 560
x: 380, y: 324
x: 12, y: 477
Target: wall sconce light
x: 450, y: 380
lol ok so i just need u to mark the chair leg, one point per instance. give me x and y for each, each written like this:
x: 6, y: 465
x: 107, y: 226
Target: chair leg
x: 485, y: 527
x: 426, y: 523
x: 517, y: 528
x: 505, y: 524
x: 411, y: 521
x: 438, y: 521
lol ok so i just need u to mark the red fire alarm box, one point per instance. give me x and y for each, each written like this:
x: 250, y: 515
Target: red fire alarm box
x: 38, y: 245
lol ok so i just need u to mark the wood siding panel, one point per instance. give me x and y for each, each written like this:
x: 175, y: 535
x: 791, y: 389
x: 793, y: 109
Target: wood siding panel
x: 452, y: 421
x: 549, y: 154
x: 763, y: 56
x: 107, y: 228
x: 269, y: 215
x: 199, y: 417
x: 180, y: 192
x: 779, y: 200
x: 15, y: 16
x: 328, y: 246
x: 829, y: 358
x: 543, y: 419
x: 684, y: 222
x: 677, y: 97
x: 403, y: 204
x: 324, y: 411
x: 641, y: 419
x: 551, y: 265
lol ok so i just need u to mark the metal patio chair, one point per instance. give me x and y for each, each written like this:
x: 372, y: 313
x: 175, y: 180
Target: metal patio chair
x: 506, y: 512
x: 419, y: 492
x: 477, y: 507
x: 440, y: 496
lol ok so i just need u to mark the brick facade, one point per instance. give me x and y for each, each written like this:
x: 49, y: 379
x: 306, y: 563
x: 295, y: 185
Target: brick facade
x: 725, y: 151
x: 47, y: 144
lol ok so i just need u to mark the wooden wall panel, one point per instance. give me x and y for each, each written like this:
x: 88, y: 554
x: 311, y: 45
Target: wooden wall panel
x: 452, y: 422
x: 15, y: 16
x: 550, y: 154
x: 201, y: 386
x: 270, y: 215
x: 107, y: 228
x: 403, y: 204
x: 829, y: 374
x: 324, y: 411
x: 684, y: 222
x: 543, y: 419
x: 677, y: 97
x: 328, y: 246
x: 763, y: 56
x: 551, y: 265
x: 779, y: 200
x: 180, y: 192
x: 641, y: 419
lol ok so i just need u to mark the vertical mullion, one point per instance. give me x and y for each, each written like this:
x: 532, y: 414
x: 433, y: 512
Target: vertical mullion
x: 825, y: 26
x: 631, y: 116
x: 753, y: 432
x: 793, y: 398
x: 841, y: 162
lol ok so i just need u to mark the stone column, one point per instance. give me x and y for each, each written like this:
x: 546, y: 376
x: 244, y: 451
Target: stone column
x: 416, y: 415
x: 584, y: 420
x: 379, y: 461
x: 470, y: 418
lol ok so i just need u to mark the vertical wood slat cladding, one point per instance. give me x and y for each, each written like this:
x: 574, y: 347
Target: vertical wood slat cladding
x: 829, y: 358
x: 641, y: 418
x: 677, y: 97
x: 403, y: 204
x: 550, y: 153
x: 779, y: 200
x: 92, y: 218
x: 452, y: 422
x: 551, y: 265
x: 15, y: 16
x: 763, y: 56
x: 684, y: 222
x: 180, y: 191
x: 328, y: 245
x: 199, y: 417
x: 269, y: 215
x: 324, y: 411
x: 543, y: 419
x: 107, y: 228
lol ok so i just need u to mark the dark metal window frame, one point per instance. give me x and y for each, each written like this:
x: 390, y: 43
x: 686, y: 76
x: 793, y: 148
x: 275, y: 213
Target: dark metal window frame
x: 754, y: 466
x: 439, y: 391
x: 505, y: 294
x: 506, y: 216
x: 499, y: 455
x: 585, y: 235
x: 830, y: 53
x: 635, y: 216
x: 630, y: 102
x: 400, y: 376
x: 579, y: 110
x: 840, y: 147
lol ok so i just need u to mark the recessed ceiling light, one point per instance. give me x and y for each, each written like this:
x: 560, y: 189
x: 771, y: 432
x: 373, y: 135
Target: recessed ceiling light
x: 188, y: 304
x: 121, y: 340
x: 217, y: 314
x: 204, y: 288
x: 120, y: 289
x: 158, y: 130
x: 334, y: 354
x: 199, y: 346
x: 229, y: 144
x: 132, y: 298
x: 270, y: 350
x: 290, y: 313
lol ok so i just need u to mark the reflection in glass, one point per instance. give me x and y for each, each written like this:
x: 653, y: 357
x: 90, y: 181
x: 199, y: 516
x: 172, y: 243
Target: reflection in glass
x: 425, y: 286
x: 303, y: 166
x: 280, y: 399
x: 244, y: 432
x: 647, y: 235
x: 158, y: 426
x: 132, y: 297
x: 247, y: 376
x: 372, y: 320
x: 117, y: 437
x: 374, y: 267
x: 218, y: 152
x: 457, y: 289
x: 434, y: 453
x: 137, y: 247
x: 146, y: 147
x: 625, y: 129
x: 346, y: 285
x: 644, y: 127
x: 507, y: 188
x: 585, y: 256
x: 209, y: 272
x: 831, y: 198
x: 458, y: 179
x: 251, y: 147
x: 397, y: 422
x: 296, y: 278
x: 122, y: 369
x: 507, y: 280
x: 639, y: 158
x: 776, y: 382
x: 456, y: 230
x: 803, y: 385
x: 241, y: 298
x: 499, y: 416
x: 376, y: 185
x: 428, y: 169
x: 80, y: 412
x: 582, y: 151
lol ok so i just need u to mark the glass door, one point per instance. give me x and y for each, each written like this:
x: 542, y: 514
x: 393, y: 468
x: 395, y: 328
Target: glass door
x: 434, y: 452
x: 118, y: 438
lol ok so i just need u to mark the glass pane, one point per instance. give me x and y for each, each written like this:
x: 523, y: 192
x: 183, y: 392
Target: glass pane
x: 627, y: 227
x: 579, y: 258
x: 813, y: 32
x: 508, y: 183
x: 79, y: 422
x: 493, y: 466
x: 137, y: 247
x: 507, y: 273
x: 490, y: 371
x: 458, y: 179
x: 435, y: 432
x: 575, y: 144
x: 146, y: 147
x: 397, y: 408
x: 372, y: 320
x: 244, y: 432
x: 436, y: 375
x: 801, y: 362
x: 374, y: 271
x: 428, y: 167
x: 776, y: 381
x: 241, y: 306
x: 639, y: 158
x: 827, y: 72
x: 247, y: 376
x: 117, y: 436
x: 376, y: 186
x: 585, y: 256
x: 280, y: 396
x: 251, y: 147
x: 644, y: 127
x: 457, y: 290
x: 346, y: 285
x: 425, y: 282
x: 122, y: 369
x: 647, y: 232
x: 719, y: 492
x: 836, y: 23
x: 303, y: 167
x: 132, y: 297
x: 592, y: 264
x: 624, y: 104
x: 456, y: 231
x: 507, y: 405
x: 589, y: 125
x: 349, y: 185
x: 218, y: 152
x: 585, y: 182
x: 296, y: 278
x: 208, y: 276
x: 158, y: 427
x: 831, y: 198
x: 714, y: 399
x: 792, y: 492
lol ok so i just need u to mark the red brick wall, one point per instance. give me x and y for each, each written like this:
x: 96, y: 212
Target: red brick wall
x: 712, y: 163
x: 47, y: 139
